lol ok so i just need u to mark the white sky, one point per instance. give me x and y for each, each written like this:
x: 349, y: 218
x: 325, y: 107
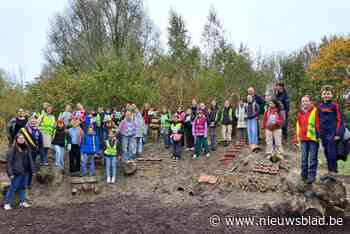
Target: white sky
x: 272, y: 25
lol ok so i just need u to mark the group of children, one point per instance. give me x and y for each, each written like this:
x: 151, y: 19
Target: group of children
x: 108, y: 133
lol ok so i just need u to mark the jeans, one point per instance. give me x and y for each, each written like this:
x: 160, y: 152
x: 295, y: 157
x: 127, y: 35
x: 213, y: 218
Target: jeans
x: 44, y: 156
x: 201, y: 141
x: 86, y: 158
x: 19, y: 182
x: 111, y: 161
x: 138, y: 149
x: 177, y: 149
x: 74, y: 158
x: 59, y: 156
x: 128, y: 144
x: 252, y: 129
x: 213, y: 138
x: 330, y: 151
x: 309, y: 150
x: 146, y: 128
x: 166, y: 137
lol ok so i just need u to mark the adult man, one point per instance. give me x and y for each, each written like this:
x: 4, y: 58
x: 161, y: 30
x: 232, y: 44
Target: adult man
x: 282, y: 97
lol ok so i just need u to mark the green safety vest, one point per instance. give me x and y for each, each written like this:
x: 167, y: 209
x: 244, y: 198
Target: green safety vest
x: 165, y: 121
x: 98, y: 120
x: 48, y: 124
x: 229, y: 113
x: 175, y: 127
x: 111, y: 150
x: 311, y: 127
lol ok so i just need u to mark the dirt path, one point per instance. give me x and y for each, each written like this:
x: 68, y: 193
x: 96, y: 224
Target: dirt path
x: 129, y: 214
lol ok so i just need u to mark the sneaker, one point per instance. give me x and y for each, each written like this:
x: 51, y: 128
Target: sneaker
x: 108, y: 180
x: 113, y: 180
x: 207, y: 155
x: 192, y: 148
x: 310, y: 180
x: 7, y: 207
x: 195, y: 156
x: 24, y: 205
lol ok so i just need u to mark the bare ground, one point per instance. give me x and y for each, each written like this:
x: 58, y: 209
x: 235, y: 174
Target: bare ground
x: 159, y: 198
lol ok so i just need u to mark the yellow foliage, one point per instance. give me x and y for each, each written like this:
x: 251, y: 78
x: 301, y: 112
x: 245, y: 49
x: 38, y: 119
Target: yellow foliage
x: 333, y: 63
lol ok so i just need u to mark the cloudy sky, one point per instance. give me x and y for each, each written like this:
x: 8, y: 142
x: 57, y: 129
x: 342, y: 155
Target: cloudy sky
x: 267, y: 25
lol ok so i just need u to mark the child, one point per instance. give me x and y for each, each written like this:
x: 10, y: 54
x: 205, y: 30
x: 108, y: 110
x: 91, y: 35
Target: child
x: 328, y: 126
x: 66, y: 115
x: 176, y: 136
x: 272, y: 123
x: 165, y: 117
x: 213, y: 116
x: 111, y: 158
x: 127, y: 130
x: 146, y: 118
x: 241, y: 116
x: 89, y: 148
x: 306, y: 137
x: 34, y: 139
x: 189, y: 117
x: 200, y: 132
x: 140, y: 132
x: 47, y: 125
x: 76, y: 135
x: 225, y: 118
x: 19, y: 166
x: 60, y: 140
x: 268, y: 98
x: 194, y: 106
x: 181, y: 116
x: 80, y: 114
x: 252, y: 110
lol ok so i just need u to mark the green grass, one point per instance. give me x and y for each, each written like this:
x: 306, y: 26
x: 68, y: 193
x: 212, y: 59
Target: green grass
x: 344, y: 167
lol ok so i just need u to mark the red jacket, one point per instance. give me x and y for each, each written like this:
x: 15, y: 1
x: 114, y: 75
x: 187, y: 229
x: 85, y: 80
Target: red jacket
x: 268, y: 116
x: 303, y: 123
x: 146, y: 117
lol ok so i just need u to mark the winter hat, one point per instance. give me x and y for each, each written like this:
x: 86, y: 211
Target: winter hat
x: 60, y: 121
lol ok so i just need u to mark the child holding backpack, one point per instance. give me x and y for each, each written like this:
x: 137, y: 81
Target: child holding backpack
x: 176, y: 135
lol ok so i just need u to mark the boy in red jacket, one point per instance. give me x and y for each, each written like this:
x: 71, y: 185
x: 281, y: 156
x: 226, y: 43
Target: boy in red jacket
x: 272, y: 123
x: 307, y: 139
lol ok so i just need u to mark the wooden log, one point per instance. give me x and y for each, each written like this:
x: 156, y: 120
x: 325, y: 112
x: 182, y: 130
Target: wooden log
x: 77, y: 180
x: 149, y: 159
x: 90, y: 179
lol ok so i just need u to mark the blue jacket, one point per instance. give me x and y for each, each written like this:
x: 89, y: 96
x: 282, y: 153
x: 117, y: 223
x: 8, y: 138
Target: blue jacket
x: 283, y: 98
x: 90, y: 144
x: 252, y: 110
x: 328, y: 122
